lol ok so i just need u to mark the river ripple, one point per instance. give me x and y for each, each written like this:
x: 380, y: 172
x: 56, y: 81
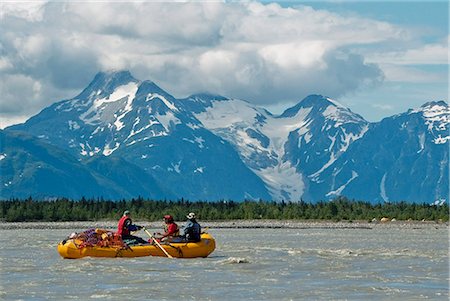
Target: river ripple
x: 248, y: 264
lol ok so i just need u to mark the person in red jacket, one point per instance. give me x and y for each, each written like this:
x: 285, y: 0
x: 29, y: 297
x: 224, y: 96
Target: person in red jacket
x: 170, y: 229
x: 125, y: 227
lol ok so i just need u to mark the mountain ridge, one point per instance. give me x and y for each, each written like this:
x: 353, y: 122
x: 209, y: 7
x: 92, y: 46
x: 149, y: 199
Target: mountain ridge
x: 303, y: 153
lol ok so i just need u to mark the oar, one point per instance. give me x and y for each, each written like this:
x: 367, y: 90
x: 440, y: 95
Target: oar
x: 157, y: 243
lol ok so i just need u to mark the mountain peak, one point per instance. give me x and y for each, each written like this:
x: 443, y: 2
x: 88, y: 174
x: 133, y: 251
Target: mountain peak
x: 311, y: 101
x: 433, y: 108
x: 431, y: 104
x: 113, y: 77
x: 107, y: 81
x: 206, y: 96
x: 437, y: 114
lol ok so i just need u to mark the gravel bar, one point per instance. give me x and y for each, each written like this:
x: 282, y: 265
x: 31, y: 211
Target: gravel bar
x: 235, y: 224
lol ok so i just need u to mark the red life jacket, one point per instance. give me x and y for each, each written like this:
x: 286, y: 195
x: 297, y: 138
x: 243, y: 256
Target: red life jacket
x: 171, y: 229
x: 122, y: 229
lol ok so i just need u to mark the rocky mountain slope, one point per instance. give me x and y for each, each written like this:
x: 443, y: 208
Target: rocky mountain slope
x: 135, y: 139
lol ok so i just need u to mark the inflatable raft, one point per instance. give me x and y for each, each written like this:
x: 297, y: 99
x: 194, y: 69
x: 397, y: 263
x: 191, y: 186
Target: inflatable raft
x: 75, y: 248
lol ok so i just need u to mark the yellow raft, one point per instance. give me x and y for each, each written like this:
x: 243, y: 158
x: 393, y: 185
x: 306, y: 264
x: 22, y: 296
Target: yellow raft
x: 71, y: 249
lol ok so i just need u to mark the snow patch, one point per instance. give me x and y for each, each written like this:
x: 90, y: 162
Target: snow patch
x: 197, y: 140
x: 338, y: 191
x: 421, y: 142
x: 94, y: 113
x: 331, y: 113
x: 188, y: 140
x: 95, y: 151
x: 167, y: 120
x: 282, y: 181
x: 223, y: 114
x: 108, y: 150
x: 193, y: 126
x: 441, y: 140
x: 135, y: 132
x: 336, y: 103
x: 199, y: 169
x: 350, y: 138
x: 340, y: 115
x: 307, y: 138
x: 315, y: 176
x: 168, y: 104
x: 278, y: 129
x: 119, y: 124
x: 83, y: 150
x: 129, y: 90
x: 86, y: 150
x: 437, y: 119
x: 73, y: 125
x: 98, y: 129
x: 200, y: 141
x: 383, y: 189
x: 128, y: 108
x: 176, y: 167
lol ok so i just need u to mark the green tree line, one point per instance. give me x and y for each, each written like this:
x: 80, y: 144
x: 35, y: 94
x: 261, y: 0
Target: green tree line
x: 341, y: 208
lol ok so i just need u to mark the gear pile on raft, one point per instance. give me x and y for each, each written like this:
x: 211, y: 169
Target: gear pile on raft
x: 103, y: 243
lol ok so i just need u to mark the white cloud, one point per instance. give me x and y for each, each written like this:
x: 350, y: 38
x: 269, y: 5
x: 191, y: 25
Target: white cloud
x: 5, y: 64
x: 428, y: 54
x: 434, y: 54
x: 261, y: 53
x: 7, y: 120
x: 30, y: 10
x: 384, y: 107
x: 18, y: 92
x: 307, y: 54
x: 412, y: 74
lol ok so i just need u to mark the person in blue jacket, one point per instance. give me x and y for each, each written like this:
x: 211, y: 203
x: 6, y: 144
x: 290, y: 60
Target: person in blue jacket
x: 192, y: 229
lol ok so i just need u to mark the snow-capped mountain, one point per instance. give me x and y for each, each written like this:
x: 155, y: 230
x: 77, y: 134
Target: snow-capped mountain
x: 32, y: 167
x: 281, y: 150
x: 114, y: 110
x: 119, y: 116
x: 403, y: 157
x: 211, y: 147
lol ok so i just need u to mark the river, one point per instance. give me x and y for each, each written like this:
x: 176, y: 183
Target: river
x: 381, y: 263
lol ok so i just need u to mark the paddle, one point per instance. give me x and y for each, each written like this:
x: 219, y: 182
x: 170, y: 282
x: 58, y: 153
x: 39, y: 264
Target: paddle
x: 157, y: 243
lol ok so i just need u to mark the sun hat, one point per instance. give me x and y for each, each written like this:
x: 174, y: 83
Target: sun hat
x: 191, y: 215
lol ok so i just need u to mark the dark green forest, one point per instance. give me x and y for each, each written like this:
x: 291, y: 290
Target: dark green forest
x: 340, y: 209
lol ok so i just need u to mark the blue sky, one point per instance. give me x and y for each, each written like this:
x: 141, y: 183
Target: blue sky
x: 377, y: 58
x: 431, y: 18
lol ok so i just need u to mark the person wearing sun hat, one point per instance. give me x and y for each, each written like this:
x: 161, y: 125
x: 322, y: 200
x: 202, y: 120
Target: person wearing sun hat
x: 192, y: 229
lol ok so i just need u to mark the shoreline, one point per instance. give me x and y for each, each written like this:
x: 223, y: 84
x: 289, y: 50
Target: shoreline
x: 236, y: 224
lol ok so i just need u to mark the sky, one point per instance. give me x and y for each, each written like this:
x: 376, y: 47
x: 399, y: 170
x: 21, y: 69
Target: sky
x: 377, y: 58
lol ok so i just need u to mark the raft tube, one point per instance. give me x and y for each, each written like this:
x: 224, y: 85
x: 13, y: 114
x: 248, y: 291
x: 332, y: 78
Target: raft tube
x: 69, y: 249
